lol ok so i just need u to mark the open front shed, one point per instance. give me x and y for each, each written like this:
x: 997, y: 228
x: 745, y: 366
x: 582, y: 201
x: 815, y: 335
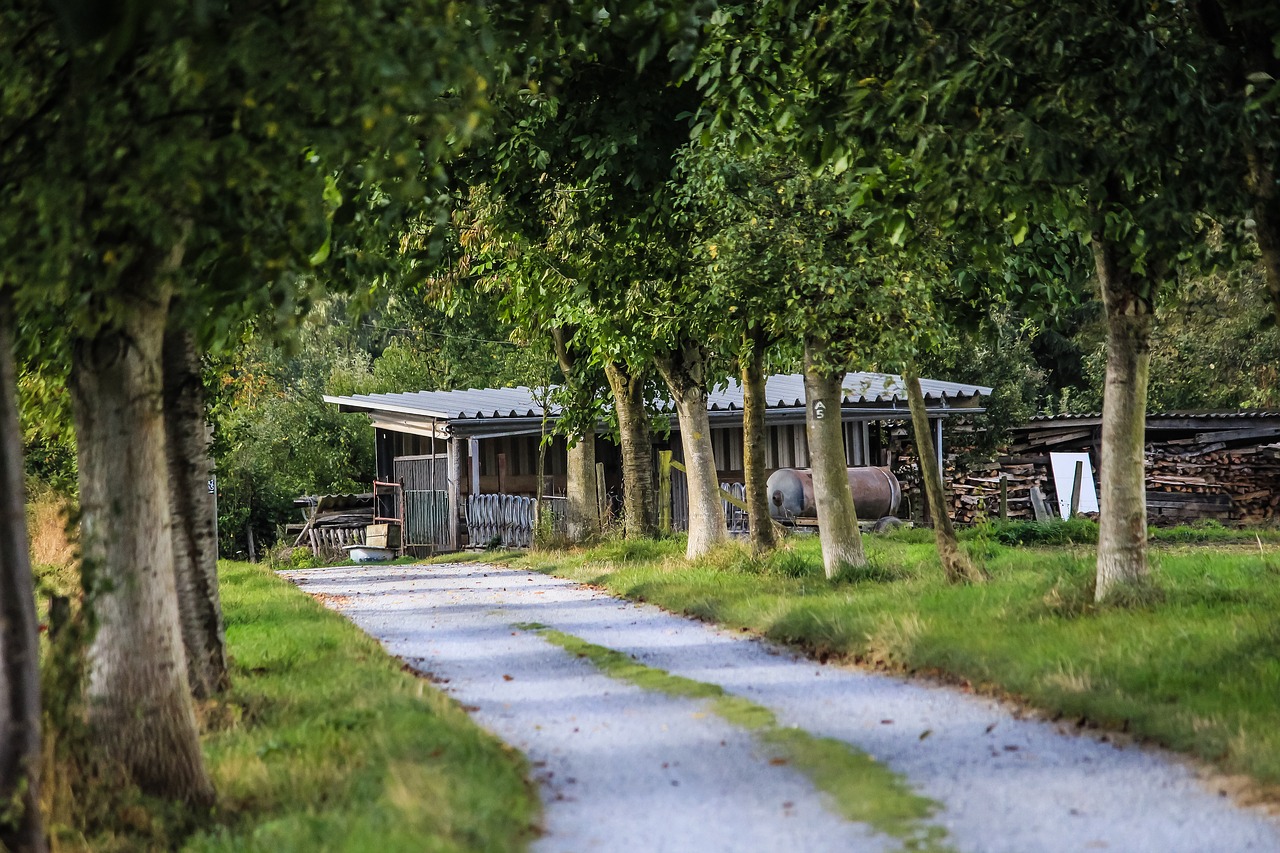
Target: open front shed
x: 440, y: 452
x: 1222, y: 465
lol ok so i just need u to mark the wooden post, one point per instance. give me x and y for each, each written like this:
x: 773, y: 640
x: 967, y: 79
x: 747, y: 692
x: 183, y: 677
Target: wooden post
x: 1004, y: 498
x: 602, y: 497
x: 664, y: 491
x: 937, y: 440
x: 1075, y: 490
x: 502, y: 473
x: 473, y: 457
x: 454, y: 485
x: 1039, y: 507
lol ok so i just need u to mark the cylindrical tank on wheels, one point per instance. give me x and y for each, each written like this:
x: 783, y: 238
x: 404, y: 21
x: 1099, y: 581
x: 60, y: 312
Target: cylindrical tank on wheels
x: 876, y: 493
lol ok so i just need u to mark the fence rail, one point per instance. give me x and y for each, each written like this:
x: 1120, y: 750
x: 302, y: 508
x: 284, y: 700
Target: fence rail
x: 734, y: 515
x: 505, y: 520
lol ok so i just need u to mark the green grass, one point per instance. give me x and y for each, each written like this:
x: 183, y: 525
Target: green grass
x: 1195, y: 666
x: 1083, y: 531
x: 860, y: 789
x: 329, y: 746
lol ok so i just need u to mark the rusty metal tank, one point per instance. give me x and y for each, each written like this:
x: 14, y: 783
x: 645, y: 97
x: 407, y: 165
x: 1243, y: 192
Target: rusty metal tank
x: 876, y: 493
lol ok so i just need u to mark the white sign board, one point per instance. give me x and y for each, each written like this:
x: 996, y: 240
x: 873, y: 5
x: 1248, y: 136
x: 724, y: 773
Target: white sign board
x: 1064, y: 475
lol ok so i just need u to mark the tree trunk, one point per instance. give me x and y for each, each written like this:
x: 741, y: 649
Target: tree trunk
x: 582, y: 510
x: 195, y: 542
x: 955, y: 563
x: 139, y: 699
x: 639, y: 501
x: 21, y: 829
x: 763, y: 536
x: 582, y: 521
x: 684, y: 371
x: 1122, y: 527
x: 1266, y: 219
x: 837, y: 518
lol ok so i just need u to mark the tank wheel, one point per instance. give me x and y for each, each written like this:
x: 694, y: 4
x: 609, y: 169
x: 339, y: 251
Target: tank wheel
x: 887, y: 523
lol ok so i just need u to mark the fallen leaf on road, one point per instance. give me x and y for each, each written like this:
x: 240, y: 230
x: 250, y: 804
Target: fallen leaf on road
x: 777, y: 761
x: 508, y: 678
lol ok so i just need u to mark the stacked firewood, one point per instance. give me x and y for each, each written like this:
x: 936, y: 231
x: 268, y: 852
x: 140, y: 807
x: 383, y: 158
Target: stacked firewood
x: 975, y: 492
x: 1240, y: 484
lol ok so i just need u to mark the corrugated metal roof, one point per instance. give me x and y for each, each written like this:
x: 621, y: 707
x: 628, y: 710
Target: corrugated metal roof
x: 786, y: 390
x: 781, y: 391
x: 1223, y: 415
x: 452, y: 405
x: 347, y: 501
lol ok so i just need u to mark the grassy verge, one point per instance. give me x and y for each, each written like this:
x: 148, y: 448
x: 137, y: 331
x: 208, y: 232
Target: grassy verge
x: 1195, y: 667
x: 328, y: 745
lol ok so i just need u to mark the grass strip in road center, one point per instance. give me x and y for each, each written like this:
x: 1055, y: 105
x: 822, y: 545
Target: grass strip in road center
x: 862, y: 789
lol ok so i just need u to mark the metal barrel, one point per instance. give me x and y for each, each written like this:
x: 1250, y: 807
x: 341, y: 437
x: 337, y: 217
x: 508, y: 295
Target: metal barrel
x: 876, y: 493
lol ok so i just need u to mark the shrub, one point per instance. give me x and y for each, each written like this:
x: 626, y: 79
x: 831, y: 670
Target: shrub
x: 1080, y: 531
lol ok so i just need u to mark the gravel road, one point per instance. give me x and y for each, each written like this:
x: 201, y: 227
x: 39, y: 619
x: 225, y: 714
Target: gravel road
x: 621, y: 768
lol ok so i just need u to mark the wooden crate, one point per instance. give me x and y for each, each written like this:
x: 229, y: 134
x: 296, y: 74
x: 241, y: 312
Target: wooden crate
x: 382, y: 535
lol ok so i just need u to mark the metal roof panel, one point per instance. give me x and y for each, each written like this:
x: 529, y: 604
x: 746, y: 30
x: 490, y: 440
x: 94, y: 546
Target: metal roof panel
x: 781, y: 391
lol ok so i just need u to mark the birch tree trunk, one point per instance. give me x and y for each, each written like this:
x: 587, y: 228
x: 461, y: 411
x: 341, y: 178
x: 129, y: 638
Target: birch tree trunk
x: 582, y: 510
x: 139, y: 699
x: 22, y: 829
x: 195, y: 543
x: 1122, y: 526
x: 955, y: 563
x: 639, y: 500
x: 763, y: 536
x: 837, y: 518
x: 684, y: 371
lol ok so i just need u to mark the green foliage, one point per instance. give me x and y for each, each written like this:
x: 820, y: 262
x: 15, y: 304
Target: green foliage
x: 276, y: 438
x: 48, y: 436
x: 793, y: 252
x: 1001, y: 357
x: 1213, y: 347
x: 1059, y: 532
x: 193, y: 131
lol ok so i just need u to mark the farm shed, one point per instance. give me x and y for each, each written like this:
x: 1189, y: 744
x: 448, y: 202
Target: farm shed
x: 440, y: 451
x: 1218, y: 465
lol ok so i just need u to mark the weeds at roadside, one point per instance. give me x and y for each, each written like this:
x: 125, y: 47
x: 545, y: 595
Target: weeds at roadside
x: 877, y: 570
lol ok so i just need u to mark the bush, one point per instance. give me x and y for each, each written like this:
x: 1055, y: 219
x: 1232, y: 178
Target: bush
x: 1079, y: 531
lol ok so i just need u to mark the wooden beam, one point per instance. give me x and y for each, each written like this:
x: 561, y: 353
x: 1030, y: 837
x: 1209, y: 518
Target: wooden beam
x: 454, y: 483
x: 1238, y: 434
x: 473, y: 458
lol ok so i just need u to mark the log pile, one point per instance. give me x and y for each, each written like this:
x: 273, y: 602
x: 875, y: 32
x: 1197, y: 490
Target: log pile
x: 1239, y: 485
x: 975, y: 493
x: 1223, y: 466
